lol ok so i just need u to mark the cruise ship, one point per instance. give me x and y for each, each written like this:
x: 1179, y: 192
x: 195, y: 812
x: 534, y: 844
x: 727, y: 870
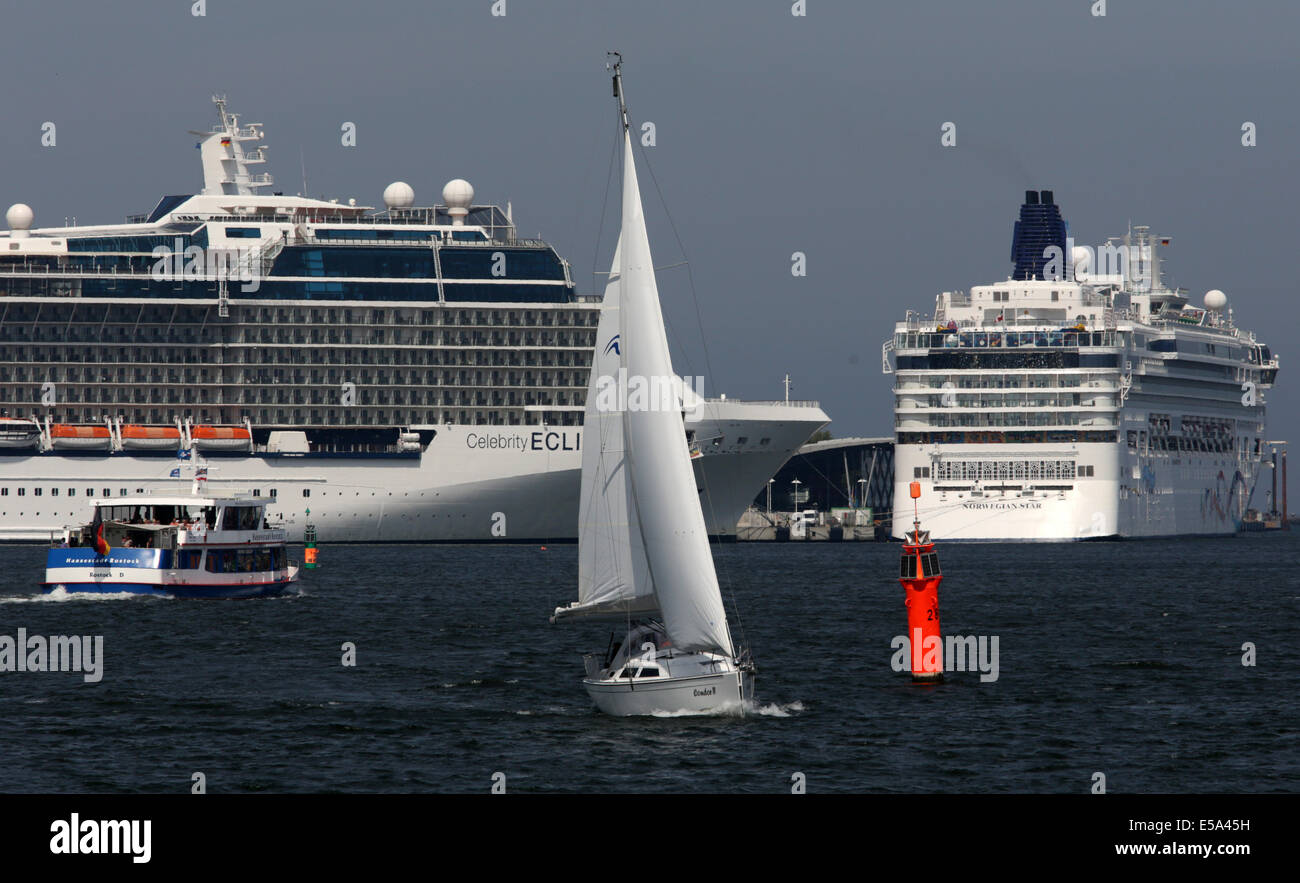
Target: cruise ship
x: 1081, y: 398
x: 404, y: 374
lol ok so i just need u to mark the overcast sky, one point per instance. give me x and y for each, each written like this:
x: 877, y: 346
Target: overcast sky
x: 775, y: 134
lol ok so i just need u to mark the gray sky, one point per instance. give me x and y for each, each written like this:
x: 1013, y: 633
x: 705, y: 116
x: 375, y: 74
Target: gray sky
x: 775, y: 134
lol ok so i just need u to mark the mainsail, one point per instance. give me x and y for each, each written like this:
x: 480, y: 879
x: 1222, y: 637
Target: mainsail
x: 662, y: 479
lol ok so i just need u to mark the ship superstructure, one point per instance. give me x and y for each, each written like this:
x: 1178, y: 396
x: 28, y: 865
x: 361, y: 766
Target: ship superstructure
x: 1081, y: 398
x: 308, y: 343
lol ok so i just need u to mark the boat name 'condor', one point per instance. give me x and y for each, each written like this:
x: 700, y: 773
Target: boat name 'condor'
x: 535, y: 441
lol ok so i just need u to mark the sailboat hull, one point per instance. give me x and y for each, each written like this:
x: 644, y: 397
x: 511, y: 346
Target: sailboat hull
x: 723, y: 693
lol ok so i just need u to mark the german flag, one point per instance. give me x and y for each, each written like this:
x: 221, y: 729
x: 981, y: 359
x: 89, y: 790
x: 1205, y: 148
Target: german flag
x: 97, y: 531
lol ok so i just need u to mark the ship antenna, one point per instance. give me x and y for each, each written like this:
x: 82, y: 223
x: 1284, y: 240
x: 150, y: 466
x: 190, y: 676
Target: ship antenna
x: 617, y: 67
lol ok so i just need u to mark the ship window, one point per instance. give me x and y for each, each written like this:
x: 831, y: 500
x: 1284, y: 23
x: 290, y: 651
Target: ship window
x: 54, y: 492
x: 122, y: 492
x: 36, y: 491
x: 108, y: 492
x: 243, y: 233
x: 306, y: 492
x: 4, y: 491
x: 627, y: 673
x: 273, y: 492
x: 257, y: 492
x: 72, y: 492
x: 648, y: 673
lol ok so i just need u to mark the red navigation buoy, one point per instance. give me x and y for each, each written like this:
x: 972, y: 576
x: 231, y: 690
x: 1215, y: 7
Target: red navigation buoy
x: 920, y: 577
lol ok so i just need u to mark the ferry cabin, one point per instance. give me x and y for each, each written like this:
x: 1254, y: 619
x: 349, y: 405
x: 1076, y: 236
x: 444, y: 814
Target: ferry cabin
x: 212, y: 535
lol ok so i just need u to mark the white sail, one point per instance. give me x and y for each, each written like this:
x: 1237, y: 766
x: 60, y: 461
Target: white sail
x: 613, y: 578
x: 664, y: 494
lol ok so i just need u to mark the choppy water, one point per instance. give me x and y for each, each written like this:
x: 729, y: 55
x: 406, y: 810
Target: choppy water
x: 1123, y: 658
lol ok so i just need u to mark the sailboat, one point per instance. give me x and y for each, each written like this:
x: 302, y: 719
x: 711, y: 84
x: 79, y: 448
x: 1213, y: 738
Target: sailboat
x: 643, y: 551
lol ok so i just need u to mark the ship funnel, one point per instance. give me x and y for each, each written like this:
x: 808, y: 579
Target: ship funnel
x: 1040, y: 227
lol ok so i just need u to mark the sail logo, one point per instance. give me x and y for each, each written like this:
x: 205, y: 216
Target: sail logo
x: 242, y: 264
x: 635, y: 392
x: 613, y: 346
x: 956, y: 653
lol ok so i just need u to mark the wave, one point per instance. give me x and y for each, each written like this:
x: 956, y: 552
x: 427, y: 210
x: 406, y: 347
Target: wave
x: 59, y: 595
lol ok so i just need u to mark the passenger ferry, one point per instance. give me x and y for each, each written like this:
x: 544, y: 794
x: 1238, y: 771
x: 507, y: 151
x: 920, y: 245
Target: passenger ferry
x: 1081, y: 398
x: 184, y: 546
x: 410, y: 374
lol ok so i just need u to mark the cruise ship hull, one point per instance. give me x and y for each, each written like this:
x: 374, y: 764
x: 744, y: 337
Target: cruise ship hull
x: 469, y: 484
x: 1126, y: 498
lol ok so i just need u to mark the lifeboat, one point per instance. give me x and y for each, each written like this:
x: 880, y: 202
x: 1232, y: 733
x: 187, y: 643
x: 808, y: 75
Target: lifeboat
x: 19, y: 433
x: 150, y: 438
x: 221, y: 438
x: 80, y: 438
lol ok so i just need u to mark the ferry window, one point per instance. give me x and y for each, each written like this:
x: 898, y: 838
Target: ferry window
x: 122, y: 493
x: 243, y: 233
x: 108, y: 492
x: 72, y: 492
x: 306, y: 492
x: 273, y: 491
x: 36, y: 491
x: 4, y: 491
x: 22, y: 492
x: 54, y: 492
x: 257, y: 492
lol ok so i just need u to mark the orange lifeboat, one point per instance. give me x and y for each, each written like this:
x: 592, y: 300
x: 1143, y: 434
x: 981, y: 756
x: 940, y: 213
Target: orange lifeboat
x: 150, y: 438
x: 70, y: 437
x: 222, y: 438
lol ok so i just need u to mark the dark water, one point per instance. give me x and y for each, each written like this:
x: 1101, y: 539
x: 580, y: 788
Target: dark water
x: 1123, y: 658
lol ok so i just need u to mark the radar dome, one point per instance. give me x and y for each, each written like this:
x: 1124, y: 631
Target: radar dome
x: 398, y: 195
x: 458, y: 193
x: 1215, y: 300
x: 20, y: 216
x: 1080, y: 260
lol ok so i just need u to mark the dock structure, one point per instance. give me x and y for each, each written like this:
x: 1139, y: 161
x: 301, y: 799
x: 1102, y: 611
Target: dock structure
x: 836, y: 489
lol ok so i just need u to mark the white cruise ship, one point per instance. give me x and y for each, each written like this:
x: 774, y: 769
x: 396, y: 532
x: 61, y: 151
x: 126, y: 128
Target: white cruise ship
x: 1079, y: 399
x: 408, y: 374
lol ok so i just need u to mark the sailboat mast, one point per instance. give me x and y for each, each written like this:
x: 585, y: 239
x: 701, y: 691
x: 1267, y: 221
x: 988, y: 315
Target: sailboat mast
x: 617, y: 67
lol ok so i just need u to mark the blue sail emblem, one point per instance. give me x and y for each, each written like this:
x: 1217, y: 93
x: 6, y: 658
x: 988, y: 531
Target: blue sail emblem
x: 613, y: 345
